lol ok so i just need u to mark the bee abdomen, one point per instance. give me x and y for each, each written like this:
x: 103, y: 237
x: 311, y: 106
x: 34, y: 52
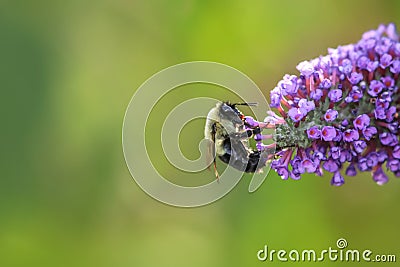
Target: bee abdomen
x: 239, y: 158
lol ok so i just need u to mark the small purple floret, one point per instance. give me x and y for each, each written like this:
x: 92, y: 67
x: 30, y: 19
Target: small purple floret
x: 328, y: 133
x: 314, y: 133
x: 305, y: 68
x: 337, y: 179
x: 351, y: 170
x: 361, y: 122
x: 331, y: 115
x: 335, y: 95
x: 380, y: 177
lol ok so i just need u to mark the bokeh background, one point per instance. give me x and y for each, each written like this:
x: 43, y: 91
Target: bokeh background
x: 68, y: 70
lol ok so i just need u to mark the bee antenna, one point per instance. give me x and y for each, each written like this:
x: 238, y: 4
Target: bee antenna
x: 245, y: 104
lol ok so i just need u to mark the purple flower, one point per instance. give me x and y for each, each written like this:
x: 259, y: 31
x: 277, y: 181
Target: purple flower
x: 346, y: 67
x: 345, y: 155
x: 325, y: 84
x: 318, y: 156
x: 381, y: 49
x: 307, y: 105
x: 305, y: 68
x: 396, y: 152
x: 314, y: 133
x: 385, y: 61
x: 335, y: 152
x: 387, y: 81
x: 355, y: 95
x: 372, y: 66
x: 396, y: 49
x: 362, y: 62
x: 337, y: 179
x: 372, y: 159
x: 350, y: 135
x: 296, y: 164
x: 379, y: 113
x: 388, y: 139
x: 393, y: 127
x: 390, y: 113
x: 308, y: 165
x: 361, y: 122
x: 338, y: 136
x: 316, y: 94
x: 369, y: 132
x: 393, y: 165
x: 359, y: 146
x: 370, y: 35
x: 386, y: 96
x: 380, y: 177
x: 295, y: 175
x: 331, y: 115
x: 392, y: 32
x: 275, y: 97
x: 328, y: 133
x: 382, y: 156
x: 355, y: 78
x: 296, y: 114
x: 288, y: 85
x: 325, y: 63
x: 362, y: 165
x: 381, y: 103
x: 360, y: 82
x: 283, y: 172
x: 375, y: 88
x: 395, y: 68
x: 331, y: 165
x: 335, y: 95
x: 351, y: 170
x: 252, y: 123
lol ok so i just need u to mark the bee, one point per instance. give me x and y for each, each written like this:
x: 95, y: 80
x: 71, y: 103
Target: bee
x: 226, y: 127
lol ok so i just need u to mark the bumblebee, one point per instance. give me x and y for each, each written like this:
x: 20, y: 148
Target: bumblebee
x: 229, y: 132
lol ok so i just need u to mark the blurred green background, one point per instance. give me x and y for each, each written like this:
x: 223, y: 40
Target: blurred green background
x: 68, y: 71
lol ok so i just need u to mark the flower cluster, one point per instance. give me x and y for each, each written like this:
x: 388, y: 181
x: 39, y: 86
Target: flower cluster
x: 341, y: 112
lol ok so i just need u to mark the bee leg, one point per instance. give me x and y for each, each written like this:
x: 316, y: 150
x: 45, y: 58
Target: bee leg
x: 216, y: 171
x: 213, y: 132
